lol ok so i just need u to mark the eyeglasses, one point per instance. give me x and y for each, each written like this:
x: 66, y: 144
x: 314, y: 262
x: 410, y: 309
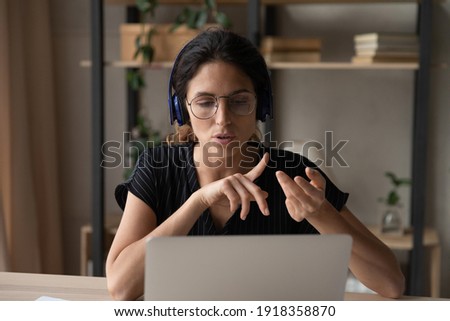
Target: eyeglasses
x: 205, y: 106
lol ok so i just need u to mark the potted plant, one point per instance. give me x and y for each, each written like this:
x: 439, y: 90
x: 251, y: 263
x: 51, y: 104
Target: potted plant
x: 145, y: 42
x: 391, y: 221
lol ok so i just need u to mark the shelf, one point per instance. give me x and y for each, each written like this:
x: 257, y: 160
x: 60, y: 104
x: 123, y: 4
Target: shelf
x: 275, y: 65
x: 173, y: 2
x: 341, y: 65
x: 263, y: 2
x: 130, y: 64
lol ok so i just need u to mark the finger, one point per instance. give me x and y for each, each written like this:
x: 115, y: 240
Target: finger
x: 317, y: 180
x: 256, y: 192
x: 290, y: 188
x: 244, y: 196
x: 293, y: 192
x: 232, y: 196
x: 259, y: 168
x: 308, y: 188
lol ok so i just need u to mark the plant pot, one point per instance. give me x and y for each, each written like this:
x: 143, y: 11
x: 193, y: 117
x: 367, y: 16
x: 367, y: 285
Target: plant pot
x: 391, y: 221
x: 166, y: 44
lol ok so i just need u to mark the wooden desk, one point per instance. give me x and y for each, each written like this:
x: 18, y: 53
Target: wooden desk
x: 29, y: 287
x: 405, y: 242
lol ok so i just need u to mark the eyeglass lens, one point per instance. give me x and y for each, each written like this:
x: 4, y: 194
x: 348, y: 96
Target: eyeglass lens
x: 205, y: 106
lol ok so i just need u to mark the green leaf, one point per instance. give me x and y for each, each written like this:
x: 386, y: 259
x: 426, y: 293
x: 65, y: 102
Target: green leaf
x: 223, y: 20
x: 191, y: 19
x: 147, y: 53
x: 137, y: 41
x: 147, y: 6
x: 135, y: 80
x: 137, y: 45
x: 397, y: 181
x: 137, y: 53
x: 201, y: 19
x: 154, y: 5
x: 392, y: 177
x: 183, y: 16
x: 143, y: 5
x: 210, y: 4
x: 403, y: 181
x: 393, y: 198
x: 150, y: 34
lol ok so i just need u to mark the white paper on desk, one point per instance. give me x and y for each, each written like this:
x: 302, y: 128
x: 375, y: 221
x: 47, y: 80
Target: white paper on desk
x: 48, y: 298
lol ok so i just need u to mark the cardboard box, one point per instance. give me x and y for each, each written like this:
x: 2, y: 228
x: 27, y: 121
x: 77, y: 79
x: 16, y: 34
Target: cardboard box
x: 166, y: 44
x: 284, y: 49
x: 271, y: 44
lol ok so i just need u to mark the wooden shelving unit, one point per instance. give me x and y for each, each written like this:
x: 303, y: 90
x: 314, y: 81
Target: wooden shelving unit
x: 262, y: 2
x: 420, y: 110
x: 275, y: 65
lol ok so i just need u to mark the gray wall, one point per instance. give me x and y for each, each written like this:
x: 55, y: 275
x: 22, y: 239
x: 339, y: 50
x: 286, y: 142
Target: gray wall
x: 372, y: 110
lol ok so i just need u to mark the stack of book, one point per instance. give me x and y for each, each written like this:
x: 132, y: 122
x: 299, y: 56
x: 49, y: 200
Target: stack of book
x: 284, y: 49
x: 386, y: 47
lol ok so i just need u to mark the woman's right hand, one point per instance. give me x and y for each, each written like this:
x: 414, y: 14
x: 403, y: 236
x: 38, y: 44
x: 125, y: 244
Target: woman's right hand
x: 238, y: 189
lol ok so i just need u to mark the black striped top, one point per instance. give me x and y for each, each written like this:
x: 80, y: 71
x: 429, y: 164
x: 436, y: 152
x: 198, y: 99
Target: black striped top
x: 165, y: 177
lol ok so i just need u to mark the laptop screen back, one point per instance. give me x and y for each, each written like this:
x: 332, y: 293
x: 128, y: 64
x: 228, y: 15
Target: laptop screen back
x: 250, y: 267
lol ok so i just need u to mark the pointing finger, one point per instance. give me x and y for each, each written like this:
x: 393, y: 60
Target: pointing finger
x: 259, y: 168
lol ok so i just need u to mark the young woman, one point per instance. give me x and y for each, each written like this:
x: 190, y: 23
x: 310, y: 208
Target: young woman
x: 214, y: 177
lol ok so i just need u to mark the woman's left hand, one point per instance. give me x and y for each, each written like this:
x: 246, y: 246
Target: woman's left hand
x: 303, y: 199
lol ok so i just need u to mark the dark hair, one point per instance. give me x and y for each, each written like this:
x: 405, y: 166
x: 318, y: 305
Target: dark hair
x: 219, y: 45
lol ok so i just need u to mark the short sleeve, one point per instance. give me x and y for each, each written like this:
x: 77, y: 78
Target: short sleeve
x: 142, y: 183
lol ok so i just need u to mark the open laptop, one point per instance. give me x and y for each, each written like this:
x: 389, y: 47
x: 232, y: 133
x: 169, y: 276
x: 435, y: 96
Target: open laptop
x: 247, y: 267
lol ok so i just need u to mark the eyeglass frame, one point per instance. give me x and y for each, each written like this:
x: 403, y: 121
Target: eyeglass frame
x: 216, y: 98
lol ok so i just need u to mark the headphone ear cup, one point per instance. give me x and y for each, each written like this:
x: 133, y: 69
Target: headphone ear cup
x: 178, y: 109
x: 265, y: 106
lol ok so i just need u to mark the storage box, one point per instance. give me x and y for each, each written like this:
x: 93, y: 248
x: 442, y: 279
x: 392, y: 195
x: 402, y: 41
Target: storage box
x: 166, y: 44
x: 285, y: 49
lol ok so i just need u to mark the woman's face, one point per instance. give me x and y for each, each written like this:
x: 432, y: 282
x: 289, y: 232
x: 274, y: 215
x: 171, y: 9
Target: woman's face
x: 225, y: 130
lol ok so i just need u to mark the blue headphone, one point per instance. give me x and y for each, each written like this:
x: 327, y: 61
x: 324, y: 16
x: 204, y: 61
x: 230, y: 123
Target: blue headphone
x: 263, y: 109
x: 175, y: 107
